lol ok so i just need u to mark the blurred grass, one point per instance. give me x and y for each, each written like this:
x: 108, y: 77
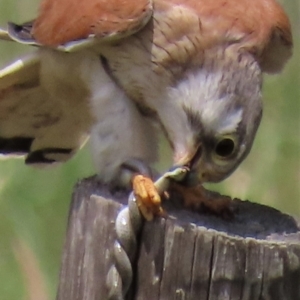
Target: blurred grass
x: 34, y: 203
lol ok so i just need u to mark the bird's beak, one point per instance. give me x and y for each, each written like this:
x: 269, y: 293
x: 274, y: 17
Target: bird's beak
x: 190, y: 159
x: 196, y: 158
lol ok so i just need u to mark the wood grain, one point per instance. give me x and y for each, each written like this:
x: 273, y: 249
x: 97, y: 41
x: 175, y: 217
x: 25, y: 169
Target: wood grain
x: 188, y: 255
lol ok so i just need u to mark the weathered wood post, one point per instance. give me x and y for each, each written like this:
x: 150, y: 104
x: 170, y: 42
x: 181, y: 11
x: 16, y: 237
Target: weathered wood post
x: 254, y: 256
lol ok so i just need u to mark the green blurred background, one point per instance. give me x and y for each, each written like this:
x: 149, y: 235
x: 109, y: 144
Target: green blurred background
x: 34, y: 203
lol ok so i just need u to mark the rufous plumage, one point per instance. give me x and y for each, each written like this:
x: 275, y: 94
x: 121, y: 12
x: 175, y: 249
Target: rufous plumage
x: 123, y: 70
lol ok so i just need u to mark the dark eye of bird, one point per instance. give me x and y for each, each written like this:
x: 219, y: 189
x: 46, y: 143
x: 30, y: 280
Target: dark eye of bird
x: 225, y: 147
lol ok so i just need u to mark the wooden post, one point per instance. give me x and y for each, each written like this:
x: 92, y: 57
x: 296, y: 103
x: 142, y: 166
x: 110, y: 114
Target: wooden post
x: 254, y: 256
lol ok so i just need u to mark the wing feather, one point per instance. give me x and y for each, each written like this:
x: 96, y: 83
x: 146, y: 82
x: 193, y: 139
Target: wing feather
x: 31, y: 123
x: 102, y: 19
x: 87, y: 22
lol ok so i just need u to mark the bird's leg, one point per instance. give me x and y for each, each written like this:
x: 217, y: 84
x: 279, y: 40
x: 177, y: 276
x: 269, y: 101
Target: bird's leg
x: 148, y: 193
x: 137, y: 174
x: 128, y: 170
x: 123, y: 141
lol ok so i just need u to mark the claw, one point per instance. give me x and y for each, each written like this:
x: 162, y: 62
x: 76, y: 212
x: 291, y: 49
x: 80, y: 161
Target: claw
x: 147, y: 197
x: 148, y: 193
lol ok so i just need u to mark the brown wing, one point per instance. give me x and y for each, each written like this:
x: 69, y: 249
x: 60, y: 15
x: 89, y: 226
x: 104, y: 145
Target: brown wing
x: 189, y: 27
x: 31, y: 123
x: 62, y: 21
x: 258, y: 26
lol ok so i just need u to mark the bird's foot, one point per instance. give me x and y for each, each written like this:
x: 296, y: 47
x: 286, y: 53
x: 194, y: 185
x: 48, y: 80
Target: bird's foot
x: 148, y: 193
x: 136, y: 174
x: 127, y: 171
x: 196, y: 197
x: 147, y: 197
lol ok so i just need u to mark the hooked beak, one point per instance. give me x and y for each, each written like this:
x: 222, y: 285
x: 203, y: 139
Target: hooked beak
x: 190, y: 159
x: 196, y: 158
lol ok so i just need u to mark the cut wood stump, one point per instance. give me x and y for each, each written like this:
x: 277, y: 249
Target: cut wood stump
x: 187, y: 255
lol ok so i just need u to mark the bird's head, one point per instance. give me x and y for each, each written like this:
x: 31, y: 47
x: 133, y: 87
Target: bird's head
x: 222, y: 104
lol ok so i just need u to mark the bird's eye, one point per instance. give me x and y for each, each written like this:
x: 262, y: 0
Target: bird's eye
x: 225, y: 147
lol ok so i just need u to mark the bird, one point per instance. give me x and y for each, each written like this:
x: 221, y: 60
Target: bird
x: 123, y: 71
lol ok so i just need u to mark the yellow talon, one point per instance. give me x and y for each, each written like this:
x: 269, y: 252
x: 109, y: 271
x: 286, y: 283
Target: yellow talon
x: 147, y: 197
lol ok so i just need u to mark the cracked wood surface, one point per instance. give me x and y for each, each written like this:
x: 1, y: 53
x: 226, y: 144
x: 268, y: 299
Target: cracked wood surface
x: 188, y: 255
